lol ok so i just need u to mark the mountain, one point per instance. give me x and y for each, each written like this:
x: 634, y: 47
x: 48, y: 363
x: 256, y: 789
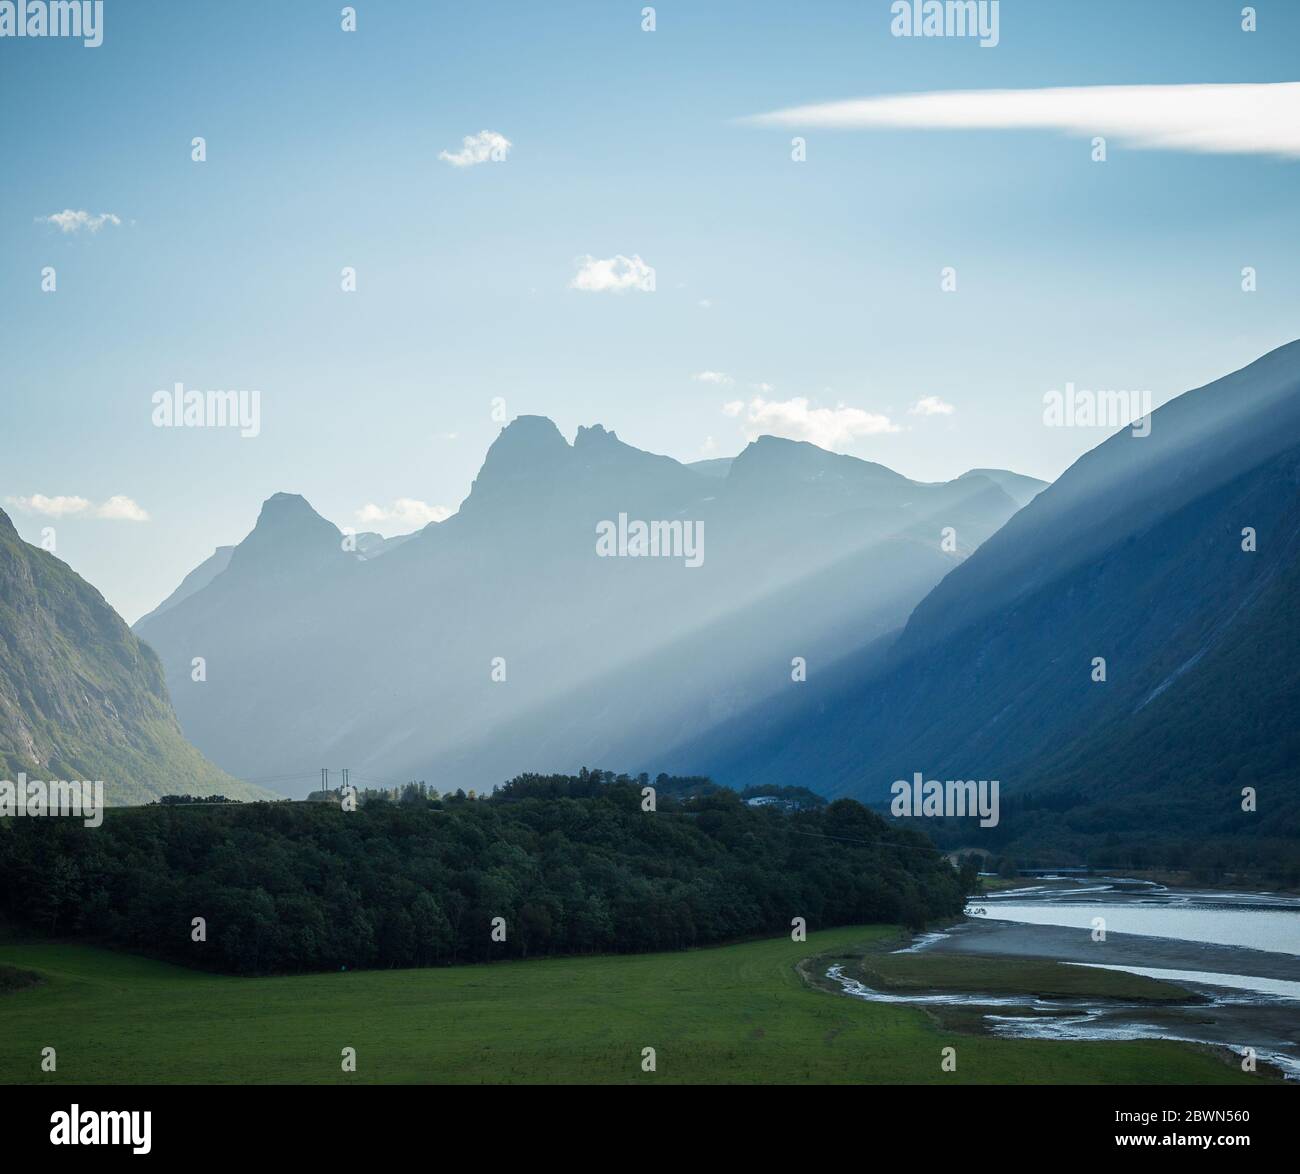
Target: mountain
x: 1021, y: 489
x: 713, y: 467
x: 196, y: 580
x: 368, y: 545
x: 1134, y: 555
x: 371, y: 545
x: 390, y: 666
x: 80, y: 696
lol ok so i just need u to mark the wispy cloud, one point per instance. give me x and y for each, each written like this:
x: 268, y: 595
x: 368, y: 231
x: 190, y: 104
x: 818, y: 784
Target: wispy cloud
x: 118, y: 508
x: 717, y: 378
x: 931, y: 405
x: 795, y: 419
x: 485, y: 147
x: 70, y: 220
x: 617, y: 274
x: 1256, y: 119
x: 406, y: 514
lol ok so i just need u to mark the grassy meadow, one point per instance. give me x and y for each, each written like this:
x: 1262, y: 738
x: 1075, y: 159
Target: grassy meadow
x: 730, y: 1014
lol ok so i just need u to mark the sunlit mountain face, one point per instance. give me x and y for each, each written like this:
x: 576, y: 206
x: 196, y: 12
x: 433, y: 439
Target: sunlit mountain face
x: 1121, y: 648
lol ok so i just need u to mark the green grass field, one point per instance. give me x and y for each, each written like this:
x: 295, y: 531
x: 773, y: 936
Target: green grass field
x: 731, y: 1014
x: 995, y: 976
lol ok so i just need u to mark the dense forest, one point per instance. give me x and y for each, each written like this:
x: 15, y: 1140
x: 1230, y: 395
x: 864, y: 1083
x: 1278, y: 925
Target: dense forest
x: 572, y: 864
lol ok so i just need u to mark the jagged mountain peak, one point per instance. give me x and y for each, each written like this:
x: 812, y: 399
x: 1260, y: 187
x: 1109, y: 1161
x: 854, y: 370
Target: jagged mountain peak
x: 526, y: 448
x: 288, y: 529
x: 286, y: 507
x: 519, y: 567
x: 593, y: 435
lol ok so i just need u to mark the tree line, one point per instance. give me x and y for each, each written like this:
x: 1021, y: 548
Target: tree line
x: 569, y: 864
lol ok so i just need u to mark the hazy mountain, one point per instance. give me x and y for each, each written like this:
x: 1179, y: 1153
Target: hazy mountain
x: 80, y: 696
x: 1021, y: 489
x: 1134, y: 555
x: 371, y: 545
x: 386, y: 666
x: 196, y: 580
x: 713, y: 467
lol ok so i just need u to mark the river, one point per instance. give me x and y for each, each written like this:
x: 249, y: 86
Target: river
x: 1237, y: 953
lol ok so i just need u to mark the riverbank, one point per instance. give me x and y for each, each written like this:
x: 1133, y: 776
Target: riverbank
x: 1047, y: 960
x: 1007, y: 939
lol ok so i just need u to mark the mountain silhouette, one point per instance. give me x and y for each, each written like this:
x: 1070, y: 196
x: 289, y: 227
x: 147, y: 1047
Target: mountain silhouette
x: 317, y: 657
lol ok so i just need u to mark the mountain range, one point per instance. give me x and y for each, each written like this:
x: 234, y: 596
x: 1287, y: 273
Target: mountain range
x: 1117, y: 648
x: 499, y: 640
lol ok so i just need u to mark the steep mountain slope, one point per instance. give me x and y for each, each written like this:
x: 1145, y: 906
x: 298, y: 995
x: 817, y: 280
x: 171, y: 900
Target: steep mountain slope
x: 1136, y: 556
x: 196, y: 580
x: 387, y: 666
x: 80, y: 696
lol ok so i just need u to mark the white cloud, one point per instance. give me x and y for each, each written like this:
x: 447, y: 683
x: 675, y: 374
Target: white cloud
x: 70, y: 221
x: 404, y: 515
x: 616, y: 274
x: 51, y: 507
x: 118, y: 508
x: 705, y: 303
x: 931, y: 405
x: 709, y: 447
x: 1259, y: 119
x: 485, y: 147
x: 830, y: 428
x: 717, y: 378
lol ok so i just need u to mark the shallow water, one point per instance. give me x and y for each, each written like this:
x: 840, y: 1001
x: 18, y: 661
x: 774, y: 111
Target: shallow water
x: 1233, y: 1010
x: 1082, y: 1019
x: 1258, y: 921
x: 1278, y: 987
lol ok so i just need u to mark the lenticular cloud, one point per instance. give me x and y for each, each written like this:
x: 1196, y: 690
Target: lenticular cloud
x: 1210, y: 119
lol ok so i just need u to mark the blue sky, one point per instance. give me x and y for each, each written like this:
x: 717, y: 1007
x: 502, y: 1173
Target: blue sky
x: 817, y: 280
